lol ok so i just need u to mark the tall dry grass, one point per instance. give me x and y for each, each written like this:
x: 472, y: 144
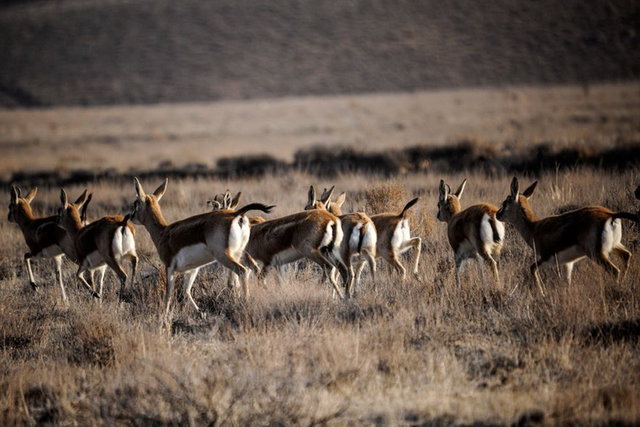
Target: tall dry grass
x: 400, y: 353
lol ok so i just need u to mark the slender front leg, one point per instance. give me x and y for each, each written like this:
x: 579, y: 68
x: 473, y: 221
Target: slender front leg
x: 536, y: 274
x: 169, y: 294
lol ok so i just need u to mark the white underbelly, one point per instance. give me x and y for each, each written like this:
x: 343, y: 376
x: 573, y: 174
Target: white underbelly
x: 51, y: 251
x: 191, y: 257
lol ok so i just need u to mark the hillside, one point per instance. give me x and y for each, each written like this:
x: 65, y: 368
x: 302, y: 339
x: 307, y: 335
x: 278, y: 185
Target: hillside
x: 140, y: 51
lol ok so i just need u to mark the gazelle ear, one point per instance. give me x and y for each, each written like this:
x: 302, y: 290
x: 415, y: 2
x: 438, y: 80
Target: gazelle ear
x: 139, y: 190
x: 226, y: 199
x: 235, y: 201
x: 515, y: 187
x: 340, y: 200
x: 326, y: 195
x: 460, y: 189
x: 31, y: 194
x: 311, y: 196
x: 14, y: 195
x: 81, y: 200
x: 161, y: 189
x: 529, y: 191
x: 63, y: 197
x: 443, y: 191
x: 83, y: 209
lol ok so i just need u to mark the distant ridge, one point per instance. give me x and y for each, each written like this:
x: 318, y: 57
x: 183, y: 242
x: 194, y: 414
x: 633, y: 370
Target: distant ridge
x: 78, y: 52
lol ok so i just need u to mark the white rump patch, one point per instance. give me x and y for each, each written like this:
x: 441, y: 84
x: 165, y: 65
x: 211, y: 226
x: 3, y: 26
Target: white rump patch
x: 239, y: 235
x: 354, y: 239
x: 401, y: 234
x: 370, y: 239
x: 328, y: 235
x: 611, y: 235
x: 123, y: 243
x: 338, y: 240
x: 192, y: 256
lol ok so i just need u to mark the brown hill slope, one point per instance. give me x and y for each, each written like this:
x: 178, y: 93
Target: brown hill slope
x: 138, y: 51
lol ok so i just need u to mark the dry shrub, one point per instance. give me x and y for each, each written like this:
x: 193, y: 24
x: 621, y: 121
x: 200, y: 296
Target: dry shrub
x: 388, y: 197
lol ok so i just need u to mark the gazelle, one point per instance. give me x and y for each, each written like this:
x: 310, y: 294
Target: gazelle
x: 592, y: 231
x: 361, y: 236
x: 104, y: 242
x: 43, y: 236
x: 474, y: 233
x: 394, y: 238
x: 315, y: 235
x: 186, y: 245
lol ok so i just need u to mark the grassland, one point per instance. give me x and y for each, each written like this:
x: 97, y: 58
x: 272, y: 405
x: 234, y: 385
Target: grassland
x: 400, y: 353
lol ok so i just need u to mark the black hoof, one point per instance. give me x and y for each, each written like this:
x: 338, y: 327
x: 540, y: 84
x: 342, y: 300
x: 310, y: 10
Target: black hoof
x: 96, y: 295
x: 33, y: 286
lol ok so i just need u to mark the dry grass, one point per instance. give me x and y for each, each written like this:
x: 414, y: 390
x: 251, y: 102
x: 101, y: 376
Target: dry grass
x: 399, y: 353
x: 407, y: 353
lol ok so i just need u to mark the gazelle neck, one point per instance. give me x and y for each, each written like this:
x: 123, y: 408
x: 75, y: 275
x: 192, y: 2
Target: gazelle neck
x: 525, y: 224
x: 25, y: 215
x: 155, y: 224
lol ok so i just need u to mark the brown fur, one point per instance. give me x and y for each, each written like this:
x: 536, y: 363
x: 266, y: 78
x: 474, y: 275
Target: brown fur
x: 97, y: 236
x: 40, y: 234
x: 580, y: 228
x: 465, y: 225
x: 303, y: 229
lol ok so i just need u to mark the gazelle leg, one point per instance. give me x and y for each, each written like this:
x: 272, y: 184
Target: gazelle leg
x: 486, y: 256
x: 122, y: 276
x: 32, y: 281
x: 568, y: 271
x: 536, y: 274
x: 170, y: 286
x: 371, y: 260
x: 324, y: 263
x: 58, y: 261
x: 189, y: 278
x: 395, y: 262
x: 623, y: 253
x: 134, y: 266
x: 83, y: 281
x: 239, y: 269
x: 102, y: 270
x: 603, y: 259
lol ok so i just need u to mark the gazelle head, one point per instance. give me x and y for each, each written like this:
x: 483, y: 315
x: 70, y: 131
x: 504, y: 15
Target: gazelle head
x: 19, y: 205
x: 516, y: 206
x: 70, y: 214
x: 146, y: 206
x: 448, y: 202
x: 224, y: 201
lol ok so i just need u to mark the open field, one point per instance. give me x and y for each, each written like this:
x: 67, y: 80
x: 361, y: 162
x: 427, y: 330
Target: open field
x: 399, y: 353
x: 145, y: 137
